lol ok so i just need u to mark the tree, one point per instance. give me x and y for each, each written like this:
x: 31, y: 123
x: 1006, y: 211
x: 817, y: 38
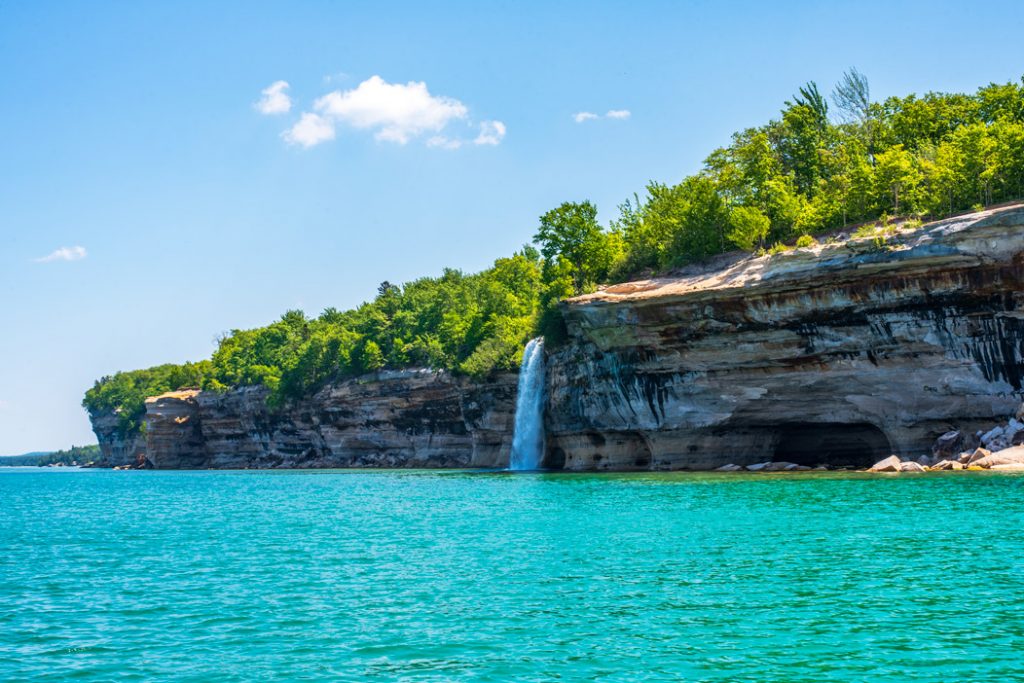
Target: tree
x: 571, y: 232
x: 371, y: 357
x: 852, y: 96
x: 749, y: 227
x: 897, y: 172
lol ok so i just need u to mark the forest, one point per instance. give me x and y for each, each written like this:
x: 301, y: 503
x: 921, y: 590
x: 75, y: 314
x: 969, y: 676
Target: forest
x: 828, y: 161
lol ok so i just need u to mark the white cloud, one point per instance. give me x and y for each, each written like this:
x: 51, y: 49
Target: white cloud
x: 275, y: 100
x: 491, y: 133
x: 396, y: 112
x: 620, y: 114
x: 311, y: 129
x: 63, y: 254
x: 444, y: 142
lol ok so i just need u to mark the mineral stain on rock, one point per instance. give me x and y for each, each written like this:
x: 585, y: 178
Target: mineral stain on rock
x: 841, y: 354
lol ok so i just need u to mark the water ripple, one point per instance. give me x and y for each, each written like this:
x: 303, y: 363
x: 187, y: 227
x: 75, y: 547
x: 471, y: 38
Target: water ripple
x: 452, y: 576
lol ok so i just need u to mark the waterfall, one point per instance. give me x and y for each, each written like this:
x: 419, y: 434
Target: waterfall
x: 528, y: 436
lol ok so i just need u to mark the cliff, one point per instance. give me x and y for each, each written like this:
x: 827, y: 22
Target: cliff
x: 841, y: 353
x: 117, y: 449
x: 409, y: 418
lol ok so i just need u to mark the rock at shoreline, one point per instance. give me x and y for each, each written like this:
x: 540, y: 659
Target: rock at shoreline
x: 1009, y: 467
x: 890, y: 464
x: 729, y: 468
x: 1007, y: 456
x: 911, y: 467
x: 947, y: 465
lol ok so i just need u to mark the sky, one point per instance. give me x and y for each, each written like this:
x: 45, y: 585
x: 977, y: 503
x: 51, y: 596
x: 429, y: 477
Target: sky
x: 172, y: 171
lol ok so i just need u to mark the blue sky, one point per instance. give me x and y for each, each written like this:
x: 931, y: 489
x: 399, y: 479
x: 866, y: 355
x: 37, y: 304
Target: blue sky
x: 133, y: 131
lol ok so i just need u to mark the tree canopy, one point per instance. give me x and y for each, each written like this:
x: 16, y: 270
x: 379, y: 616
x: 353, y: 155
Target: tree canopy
x: 811, y: 170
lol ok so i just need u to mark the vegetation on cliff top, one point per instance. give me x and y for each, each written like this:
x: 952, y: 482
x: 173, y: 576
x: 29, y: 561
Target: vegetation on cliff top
x: 814, y: 169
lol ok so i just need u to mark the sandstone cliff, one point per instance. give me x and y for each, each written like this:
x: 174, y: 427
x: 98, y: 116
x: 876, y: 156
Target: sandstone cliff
x: 117, y: 448
x: 841, y: 353
x: 409, y: 418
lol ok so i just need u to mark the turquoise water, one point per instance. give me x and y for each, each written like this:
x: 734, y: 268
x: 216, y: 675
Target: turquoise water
x: 454, y: 576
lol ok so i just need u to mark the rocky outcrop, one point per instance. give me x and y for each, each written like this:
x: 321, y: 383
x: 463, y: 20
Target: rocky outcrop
x: 842, y: 354
x: 409, y: 418
x: 839, y: 354
x: 117, y: 449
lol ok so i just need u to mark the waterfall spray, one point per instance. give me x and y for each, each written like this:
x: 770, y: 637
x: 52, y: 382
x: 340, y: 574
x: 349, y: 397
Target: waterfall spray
x: 528, y: 436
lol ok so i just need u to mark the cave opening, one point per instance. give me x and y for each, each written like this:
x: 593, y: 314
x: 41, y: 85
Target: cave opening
x: 837, y: 445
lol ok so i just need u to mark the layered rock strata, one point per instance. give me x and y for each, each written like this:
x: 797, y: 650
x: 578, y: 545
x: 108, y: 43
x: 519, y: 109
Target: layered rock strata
x: 117, y: 449
x: 840, y: 354
x: 409, y: 418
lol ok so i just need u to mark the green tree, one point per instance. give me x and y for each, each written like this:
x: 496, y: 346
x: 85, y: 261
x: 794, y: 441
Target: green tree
x: 571, y: 232
x: 749, y: 227
x: 897, y: 174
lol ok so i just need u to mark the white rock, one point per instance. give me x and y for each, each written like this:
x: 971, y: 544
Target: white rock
x: 910, y: 467
x: 758, y: 467
x: 729, y: 468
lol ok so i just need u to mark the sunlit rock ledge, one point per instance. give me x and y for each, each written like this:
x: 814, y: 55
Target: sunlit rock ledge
x: 842, y: 353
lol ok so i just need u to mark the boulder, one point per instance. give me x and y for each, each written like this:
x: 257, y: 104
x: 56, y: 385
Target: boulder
x: 978, y: 454
x: 995, y: 439
x: 926, y: 461
x: 944, y: 465
x: 890, y: 464
x: 971, y: 441
x: 910, y: 467
x: 1007, y: 456
x: 781, y: 466
x: 1020, y: 412
x: 758, y: 467
x: 729, y: 468
x: 947, y: 445
x: 1010, y: 467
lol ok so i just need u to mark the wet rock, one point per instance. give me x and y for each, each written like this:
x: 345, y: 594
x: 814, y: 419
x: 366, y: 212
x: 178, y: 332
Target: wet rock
x: 890, y: 464
x: 781, y: 467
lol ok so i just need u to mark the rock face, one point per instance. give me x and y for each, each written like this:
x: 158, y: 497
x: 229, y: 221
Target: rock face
x: 409, y: 418
x: 117, y: 449
x: 841, y: 354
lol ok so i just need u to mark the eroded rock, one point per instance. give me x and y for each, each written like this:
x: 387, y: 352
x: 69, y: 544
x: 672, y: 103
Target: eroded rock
x: 890, y: 464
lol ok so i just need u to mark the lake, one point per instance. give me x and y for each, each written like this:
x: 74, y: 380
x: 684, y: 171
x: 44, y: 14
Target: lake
x: 469, y: 576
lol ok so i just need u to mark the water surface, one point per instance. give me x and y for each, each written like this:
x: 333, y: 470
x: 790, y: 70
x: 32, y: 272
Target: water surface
x: 455, y: 576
